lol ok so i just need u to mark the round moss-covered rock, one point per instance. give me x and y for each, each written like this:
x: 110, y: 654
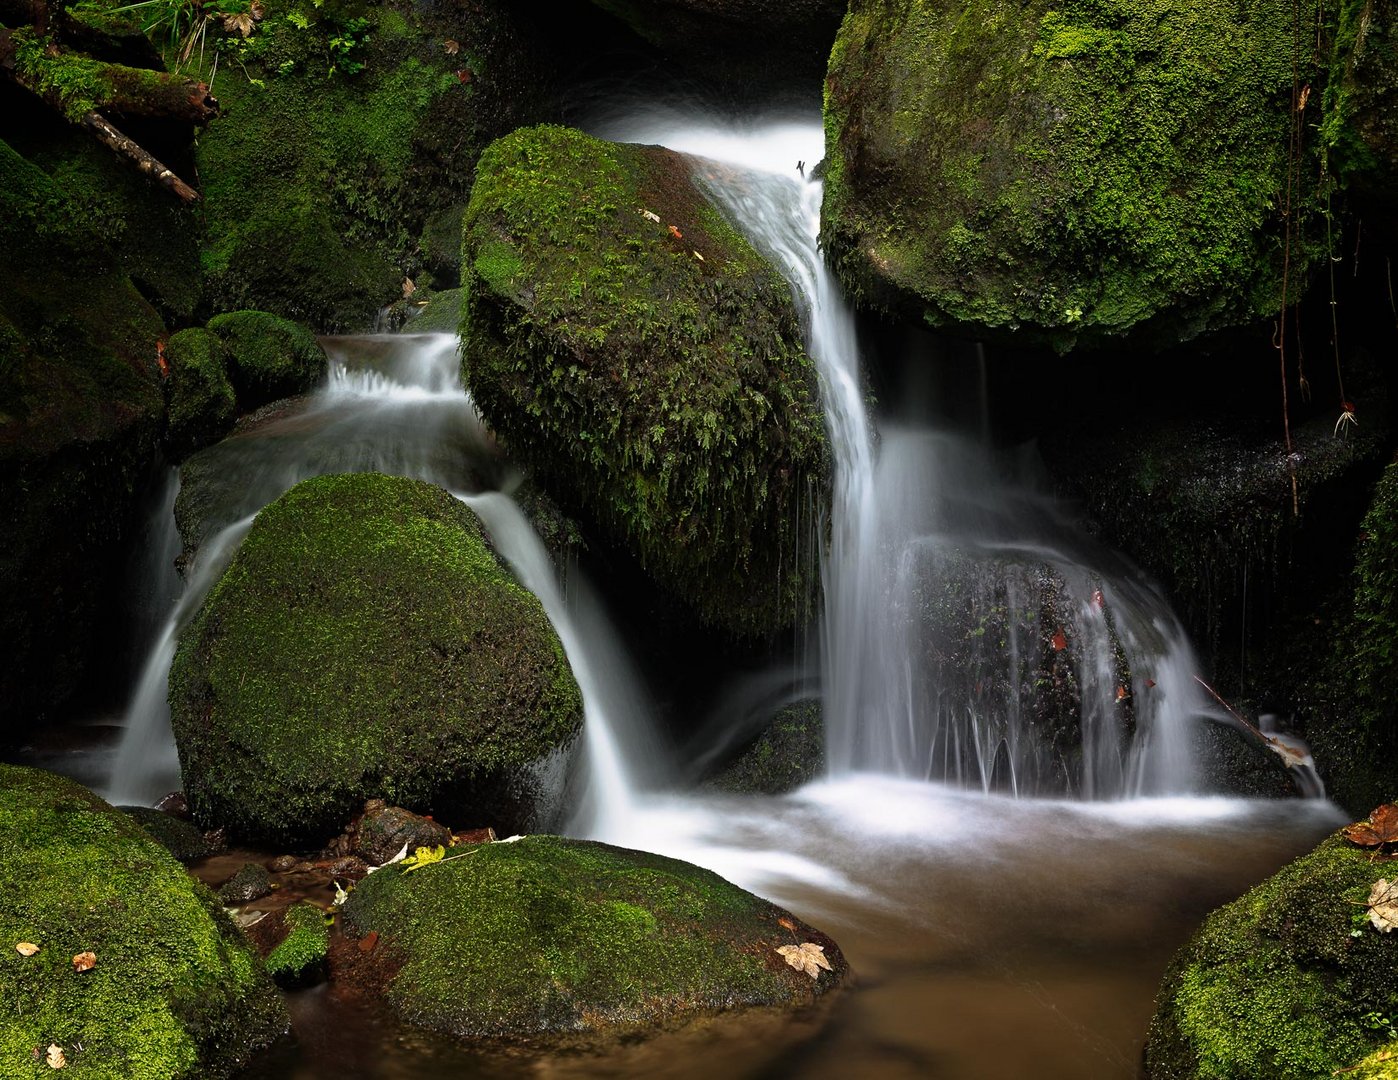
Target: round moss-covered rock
x: 789, y: 752
x: 1075, y: 169
x: 299, y: 959
x: 174, y: 992
x: 546, y: 937
x: 202, y: 407
x: 364, y: 643
x: 268, y: 357
x: 648, y: 369
x: 1289, y: 982
x: 180, y: 838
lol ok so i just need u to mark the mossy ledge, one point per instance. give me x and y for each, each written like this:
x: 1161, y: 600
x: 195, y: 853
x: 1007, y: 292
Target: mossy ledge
x: 545, y: 940
x: 363, y: 643
x: 650, y: 373
x: 1075, y: 170
x: 1278, y: 985
x: 176, y: 991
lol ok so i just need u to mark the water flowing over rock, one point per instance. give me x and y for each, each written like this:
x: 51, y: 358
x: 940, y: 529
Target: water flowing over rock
x: 1075, y: 171
x: 365, y: 643
x: 636, y: 353
x: 175, y: 990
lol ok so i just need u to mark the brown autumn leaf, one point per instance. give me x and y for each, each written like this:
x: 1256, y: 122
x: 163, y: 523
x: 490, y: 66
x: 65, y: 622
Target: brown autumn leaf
x: 675, y: 232
x: 84, y: 961
x: 55, y: 1057
x: 787, y: 923
x: 409, y: 287
x: 452, y: 46
x: 1380, y: 829
x: 1059, y: 641
x: 808, y: 957
x: 26, y: 948
x: 1383, y: 904
x: 369, y: 941
x: 244, y: 21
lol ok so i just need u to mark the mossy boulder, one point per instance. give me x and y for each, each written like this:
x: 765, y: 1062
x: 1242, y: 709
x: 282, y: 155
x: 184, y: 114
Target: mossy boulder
x: 364, y: 643
x: 268, y: 357
x: 179, y: 837
x: 80, y: 412
x: 1290, y: 982
x: 176, y: 992
x: 351, y: 129
x: 546, y: 938
x: 649, y: 372
x: 202, y: 405
x: 1362, y: 110
x: 1077, y: 170
x: 300, y: 957
x: 789, y: 752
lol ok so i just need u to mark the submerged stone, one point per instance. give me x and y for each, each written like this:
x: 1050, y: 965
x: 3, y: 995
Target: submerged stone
x: 364, y: 643
x: 645, y: 363
x: 175, y: 991
x: 1284, y: 983
x: 547, y: 940
x: 1074, y: 170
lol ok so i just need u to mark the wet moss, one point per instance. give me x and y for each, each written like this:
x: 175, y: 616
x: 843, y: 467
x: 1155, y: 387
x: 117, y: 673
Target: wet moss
x: 300, y: 958
x: 365, y: 643
x: 180, y: 838
x: 202, y: 406
x: 1276, y: 986
x: 268, y: 357
x: 1078, y: 170
x: 546, y: 936
x: 789, y: 752
x: 176, y: 992
x: 654, y: 383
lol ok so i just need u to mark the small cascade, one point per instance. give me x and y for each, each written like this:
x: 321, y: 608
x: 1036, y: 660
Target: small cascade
x: 619, y: 754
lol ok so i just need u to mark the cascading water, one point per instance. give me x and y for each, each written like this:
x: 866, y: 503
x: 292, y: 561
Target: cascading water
x: 949, y: 593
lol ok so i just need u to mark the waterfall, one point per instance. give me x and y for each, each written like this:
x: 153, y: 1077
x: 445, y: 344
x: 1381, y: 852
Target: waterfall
x: 961, y: 608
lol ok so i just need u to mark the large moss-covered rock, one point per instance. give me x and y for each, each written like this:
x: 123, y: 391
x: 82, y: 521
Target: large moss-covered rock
x: 1290, y: 982
x: 268, y: 357
x: 202, y: 404
x: 80, y: 410
x: 365, y: 643
x: 1076, y: 169
x: 176, y: 992
x: 352, y: 127
x: 546, y: 937
x: 1362, y: 110
x: 649, y: 372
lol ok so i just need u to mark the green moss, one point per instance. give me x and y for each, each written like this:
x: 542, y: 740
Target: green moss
x: 1102, y: 165
x: 663, y: 393
x: 1275, y: 986
x: 441, y: 315
x: 565, y: 937
x: 268, y: 357
x: 180, y: 838
x: 176, y: 992
x: 202, y: 406
x: 365, y: 643
x: 1382, y: 1064
x: 789, y: 752
x: 300, y: 957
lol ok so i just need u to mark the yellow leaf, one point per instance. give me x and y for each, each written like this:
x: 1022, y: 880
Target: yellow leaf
x: 85, y: 961
x: 1383, y: 904
x: 808, y: 957
x: 55, y: 1057
x: 423, y: 857
x: 26, y: 948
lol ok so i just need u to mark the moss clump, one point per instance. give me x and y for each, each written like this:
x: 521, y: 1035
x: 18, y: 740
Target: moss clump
x: 80, y: 409
x: 176, y: 992
x: 202, y: 405
x: 180, y: 838
x: 1275, y: 986
x: 268, y: 357
x: 1076, y: 169
x: 789, y: 752
x: 353, y: 127
x: 365, y: 643
x: 547, y: 936
x: 300, y: 958
x: 655, y: 384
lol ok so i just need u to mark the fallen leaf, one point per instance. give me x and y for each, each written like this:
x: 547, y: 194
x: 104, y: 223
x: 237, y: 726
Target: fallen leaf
x: 451, y: 46
x: 510, y: 839
x: 1383, y: 904
x: 341, y: 894
x: 408, y: 287
x: 246, y: 919
x: 648, y: 215
x: 463, y: 75
x: 698, y: 256
x: 1059, y: 640
x: 1097, y: 598
x: 368, y: 941
x: 1305, y: 96
x: 1121, y: 693
x: 55, y: 1058
x: 423, y: 856
x: 787, y: 923
x: 85, y: 961
x: 808, y: 957
x: 242, y: 21
x: 1150, y: 684
x: 26, y: 948
x: 1381, y: 828
x: 675, y: 232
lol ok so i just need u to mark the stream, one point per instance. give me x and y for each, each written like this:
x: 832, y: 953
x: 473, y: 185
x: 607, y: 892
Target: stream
x: 1007, y: 909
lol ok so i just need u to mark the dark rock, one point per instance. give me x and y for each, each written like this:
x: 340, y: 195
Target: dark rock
x: 251, y: 882
x: 268, y: 357
x: 789, y: 752
x: 364, y: 642
x: 180, y: 837
x: 1235, y: 762
x: 553, y: 940
x: 668, y: 401
x: 176, y: 991
x: 283, y: 864
x: 202, y: 405
x: 384, y: 830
